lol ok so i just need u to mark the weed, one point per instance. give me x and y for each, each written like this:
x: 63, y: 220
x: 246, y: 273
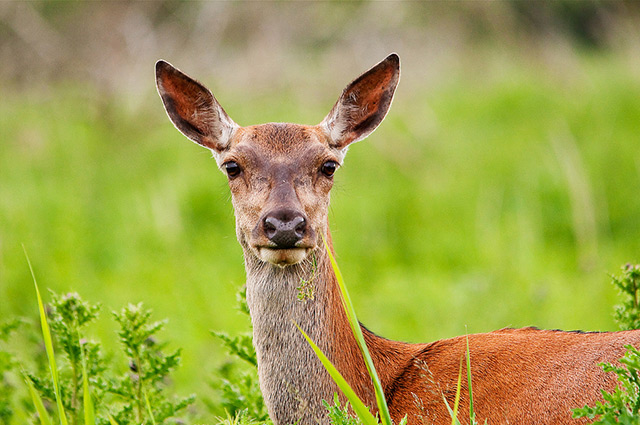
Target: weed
x: 88, y: 389
x: 149, y: 368
x: 627, y: 314
x: 84, y: 375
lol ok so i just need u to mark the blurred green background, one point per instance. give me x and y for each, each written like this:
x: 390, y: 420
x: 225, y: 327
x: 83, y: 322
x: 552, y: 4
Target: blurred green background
x: 501, y: 189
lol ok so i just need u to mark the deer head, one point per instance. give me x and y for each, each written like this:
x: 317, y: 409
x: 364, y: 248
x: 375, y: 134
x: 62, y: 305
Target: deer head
x: 280, y: 174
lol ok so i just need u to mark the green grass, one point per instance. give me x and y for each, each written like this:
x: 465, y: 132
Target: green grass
x: 488, y: 201
x: 48, y: 342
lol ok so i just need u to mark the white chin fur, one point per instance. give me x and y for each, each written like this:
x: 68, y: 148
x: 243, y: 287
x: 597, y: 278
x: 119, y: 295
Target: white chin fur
x: 282, y: 257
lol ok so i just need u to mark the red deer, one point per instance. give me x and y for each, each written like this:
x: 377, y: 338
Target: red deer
x: 280, y: 176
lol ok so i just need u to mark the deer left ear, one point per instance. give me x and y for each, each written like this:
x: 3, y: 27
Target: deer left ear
x: 193, y: 109
x: 363, y: 104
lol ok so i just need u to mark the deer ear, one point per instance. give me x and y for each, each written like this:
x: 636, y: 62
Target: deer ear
x: 363, y: 104
x: 193, y: 109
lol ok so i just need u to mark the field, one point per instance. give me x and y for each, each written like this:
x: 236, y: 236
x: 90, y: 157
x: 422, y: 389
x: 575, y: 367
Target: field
x: 494, y: 199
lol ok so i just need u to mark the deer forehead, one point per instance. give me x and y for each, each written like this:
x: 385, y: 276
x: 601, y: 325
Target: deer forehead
x: 267, y: 148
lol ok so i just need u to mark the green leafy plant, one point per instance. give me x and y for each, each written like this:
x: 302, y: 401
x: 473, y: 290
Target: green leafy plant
x: 385, y: 416
x: 88, y: 389
x: 453, y: 412
x: 85, y: 389
x: 46, y: 333
x: 472, y: 413
x: 622, y: 405
x: 627, y: 314
x: 142, y: 390
x: 306, y: 290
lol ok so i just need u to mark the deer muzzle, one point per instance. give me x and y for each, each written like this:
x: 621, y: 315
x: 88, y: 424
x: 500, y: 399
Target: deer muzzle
x: 287, y: 232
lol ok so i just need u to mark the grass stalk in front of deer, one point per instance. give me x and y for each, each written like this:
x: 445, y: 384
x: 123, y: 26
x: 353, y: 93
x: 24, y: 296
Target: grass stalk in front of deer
x: 357, y: 332
x: 48, y: 342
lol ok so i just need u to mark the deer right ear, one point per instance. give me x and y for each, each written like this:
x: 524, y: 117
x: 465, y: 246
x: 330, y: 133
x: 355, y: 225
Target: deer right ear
x: 363, y: 104
x: 193, y: 109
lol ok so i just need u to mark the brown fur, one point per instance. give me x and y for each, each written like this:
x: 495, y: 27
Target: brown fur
x: 519, y: 376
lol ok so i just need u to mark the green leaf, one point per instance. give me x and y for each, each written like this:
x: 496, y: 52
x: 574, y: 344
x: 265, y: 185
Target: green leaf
x: 37, y: 402
x: 46, y: 334
x: 454, y: 417
x: 358, y: 406
x: 472, y: 415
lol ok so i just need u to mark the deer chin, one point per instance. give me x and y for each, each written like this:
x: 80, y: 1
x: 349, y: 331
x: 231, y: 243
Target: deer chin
x: 282, y: 257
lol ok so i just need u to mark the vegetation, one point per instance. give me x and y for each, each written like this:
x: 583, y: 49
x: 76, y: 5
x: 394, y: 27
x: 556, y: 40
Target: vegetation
x: 86, y: 387
x: 627, y: 314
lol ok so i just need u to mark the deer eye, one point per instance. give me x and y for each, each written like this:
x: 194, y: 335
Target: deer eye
x: 232, y: 168
x: 328, y: 168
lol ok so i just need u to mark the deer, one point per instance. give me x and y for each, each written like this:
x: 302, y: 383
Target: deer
x: 280, y: 177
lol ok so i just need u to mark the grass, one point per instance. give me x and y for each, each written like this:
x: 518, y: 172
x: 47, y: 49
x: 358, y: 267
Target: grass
x: 48, y: 342
x: 472, y: 206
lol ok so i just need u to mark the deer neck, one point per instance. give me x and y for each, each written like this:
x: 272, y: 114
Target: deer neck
x: 292, y: 379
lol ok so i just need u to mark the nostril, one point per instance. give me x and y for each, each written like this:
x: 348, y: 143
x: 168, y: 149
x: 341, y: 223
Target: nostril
x: 299, y: 225
x: 271, y: 225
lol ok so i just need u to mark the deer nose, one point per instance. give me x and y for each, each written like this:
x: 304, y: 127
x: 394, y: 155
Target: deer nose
x: 284, y: 228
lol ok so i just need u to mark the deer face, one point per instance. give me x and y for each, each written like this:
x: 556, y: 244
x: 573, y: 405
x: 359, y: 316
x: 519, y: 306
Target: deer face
x: 280, y: 175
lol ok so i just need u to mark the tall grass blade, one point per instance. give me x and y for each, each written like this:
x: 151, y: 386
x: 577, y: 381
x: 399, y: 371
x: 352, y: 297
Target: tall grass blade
x: 112, y: 421
x: 37, y: 402
x: 454, y: 412
x: 454, y: 419
x: 46, y: 334
x: 89, y: 411
x: 472, y: 415
x: 385, y: 417
x: 358, y: 406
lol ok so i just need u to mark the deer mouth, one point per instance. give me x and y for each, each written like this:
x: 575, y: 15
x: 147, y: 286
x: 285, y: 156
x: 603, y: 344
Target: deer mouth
x: 282, y: 257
